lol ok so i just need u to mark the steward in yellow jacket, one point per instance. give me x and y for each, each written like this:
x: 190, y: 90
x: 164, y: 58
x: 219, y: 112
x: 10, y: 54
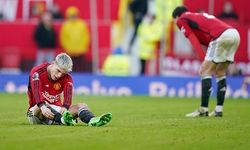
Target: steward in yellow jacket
x: 74, y: 33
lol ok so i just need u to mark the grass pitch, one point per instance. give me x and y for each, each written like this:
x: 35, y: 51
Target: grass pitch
x: 138, y: 123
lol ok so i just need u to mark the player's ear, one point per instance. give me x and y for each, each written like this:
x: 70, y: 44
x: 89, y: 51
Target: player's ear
x: 175, y: 19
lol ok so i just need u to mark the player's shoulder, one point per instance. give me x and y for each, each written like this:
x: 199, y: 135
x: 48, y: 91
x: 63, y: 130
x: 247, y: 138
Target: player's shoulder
x: 39, y: 69
x: 186, y: 14
x: 68, y: 78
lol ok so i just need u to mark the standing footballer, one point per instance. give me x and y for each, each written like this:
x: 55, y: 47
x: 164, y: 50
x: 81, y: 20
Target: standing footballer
x: 47, y: 83
x: 221, y: 40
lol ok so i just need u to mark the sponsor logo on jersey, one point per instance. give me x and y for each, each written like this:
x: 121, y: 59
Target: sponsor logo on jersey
x: 57, y: 86
x: 35, y: 76
x: 51, y: 98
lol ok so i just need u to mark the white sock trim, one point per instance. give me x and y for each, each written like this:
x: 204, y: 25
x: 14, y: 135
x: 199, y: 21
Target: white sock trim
x: 81, y: 109
x: 219, y: 108
x: 204, y: 108
x: 206, y: 77
x: 220, y: 78
x: 62, y: 120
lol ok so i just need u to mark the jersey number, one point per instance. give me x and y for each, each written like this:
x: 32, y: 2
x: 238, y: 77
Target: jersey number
x: 208, y: 16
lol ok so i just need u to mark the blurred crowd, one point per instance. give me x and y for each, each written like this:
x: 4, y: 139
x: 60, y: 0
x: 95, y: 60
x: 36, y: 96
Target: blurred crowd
x: 140, y: 37
x: 74, y: 36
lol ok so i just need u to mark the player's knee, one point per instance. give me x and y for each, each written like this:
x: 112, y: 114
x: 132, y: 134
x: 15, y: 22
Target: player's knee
x: 207, y: 68
x: 82, y: 105
x: 205, y: 72
x: 220, y: 73
x: 201, y: 71
x: 32, y: 118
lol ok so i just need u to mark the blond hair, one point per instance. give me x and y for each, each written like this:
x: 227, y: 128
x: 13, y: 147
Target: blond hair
x: 64, y: 61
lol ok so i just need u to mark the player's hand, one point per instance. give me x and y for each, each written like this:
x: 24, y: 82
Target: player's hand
x: 47, y: 112
x: 62, y: 110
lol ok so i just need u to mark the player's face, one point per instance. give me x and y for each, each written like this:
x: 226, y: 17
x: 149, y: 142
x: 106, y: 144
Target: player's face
x: 56, y: 72
x: 175, y: 19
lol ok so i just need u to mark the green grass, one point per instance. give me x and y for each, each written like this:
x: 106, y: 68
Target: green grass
x: 138, y: 123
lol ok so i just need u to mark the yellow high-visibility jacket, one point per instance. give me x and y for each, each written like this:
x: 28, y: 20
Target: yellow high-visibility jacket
x: 148, y: 36
x: 116, y: 65
x: 75, y: 37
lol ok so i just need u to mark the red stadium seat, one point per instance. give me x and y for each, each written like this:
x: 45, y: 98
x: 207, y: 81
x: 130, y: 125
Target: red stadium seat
x: 10, y: 60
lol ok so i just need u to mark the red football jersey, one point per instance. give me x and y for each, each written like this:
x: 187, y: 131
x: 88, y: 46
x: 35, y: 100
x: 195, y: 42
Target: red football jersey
x: 205, y: 27
x: 42, y: 89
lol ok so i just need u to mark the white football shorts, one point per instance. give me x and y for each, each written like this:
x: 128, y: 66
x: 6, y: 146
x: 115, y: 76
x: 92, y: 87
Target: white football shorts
x: 224, y: 47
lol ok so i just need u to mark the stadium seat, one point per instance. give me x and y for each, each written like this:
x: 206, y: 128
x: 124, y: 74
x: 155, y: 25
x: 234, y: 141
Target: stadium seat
x: 10, y: 60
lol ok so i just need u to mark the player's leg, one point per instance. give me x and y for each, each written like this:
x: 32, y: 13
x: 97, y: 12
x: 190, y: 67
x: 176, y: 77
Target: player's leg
x: 206, y: 71
x: 227, y: 46
x: 66, y: 118
x: 221, y: 88
x: 35, y: 116
x: 82, y: 111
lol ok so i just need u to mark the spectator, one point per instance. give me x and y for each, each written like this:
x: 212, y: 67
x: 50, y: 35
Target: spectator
x: 149, y: 33
x: 56, y: 12
x: 139, y: 9
x: 233, y: 70
x: 1, y: 16
x: 74, y: 38
x: 117, y: 64
x: 45, y: 38
x: 246, y: 83
x: 228, y: 12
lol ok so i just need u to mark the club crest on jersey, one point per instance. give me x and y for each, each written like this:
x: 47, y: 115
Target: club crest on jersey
x: 57, y: 86
x: 35, y: 76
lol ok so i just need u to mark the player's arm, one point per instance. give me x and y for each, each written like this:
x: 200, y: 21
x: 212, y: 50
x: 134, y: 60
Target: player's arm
x: 196, y: 44
x: 36, y: 88
x: 67, y: 91
x: 187, y: 31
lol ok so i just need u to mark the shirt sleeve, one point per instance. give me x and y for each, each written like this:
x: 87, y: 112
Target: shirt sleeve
x: 196, y: 44
x: 36, y: 87
x: 187, y: 31
x: 184, y: 27
x: 68, y: 91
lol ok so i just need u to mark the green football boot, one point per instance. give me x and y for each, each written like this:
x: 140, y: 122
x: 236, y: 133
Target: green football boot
x: 68, y: 119
x: 100, y: 120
